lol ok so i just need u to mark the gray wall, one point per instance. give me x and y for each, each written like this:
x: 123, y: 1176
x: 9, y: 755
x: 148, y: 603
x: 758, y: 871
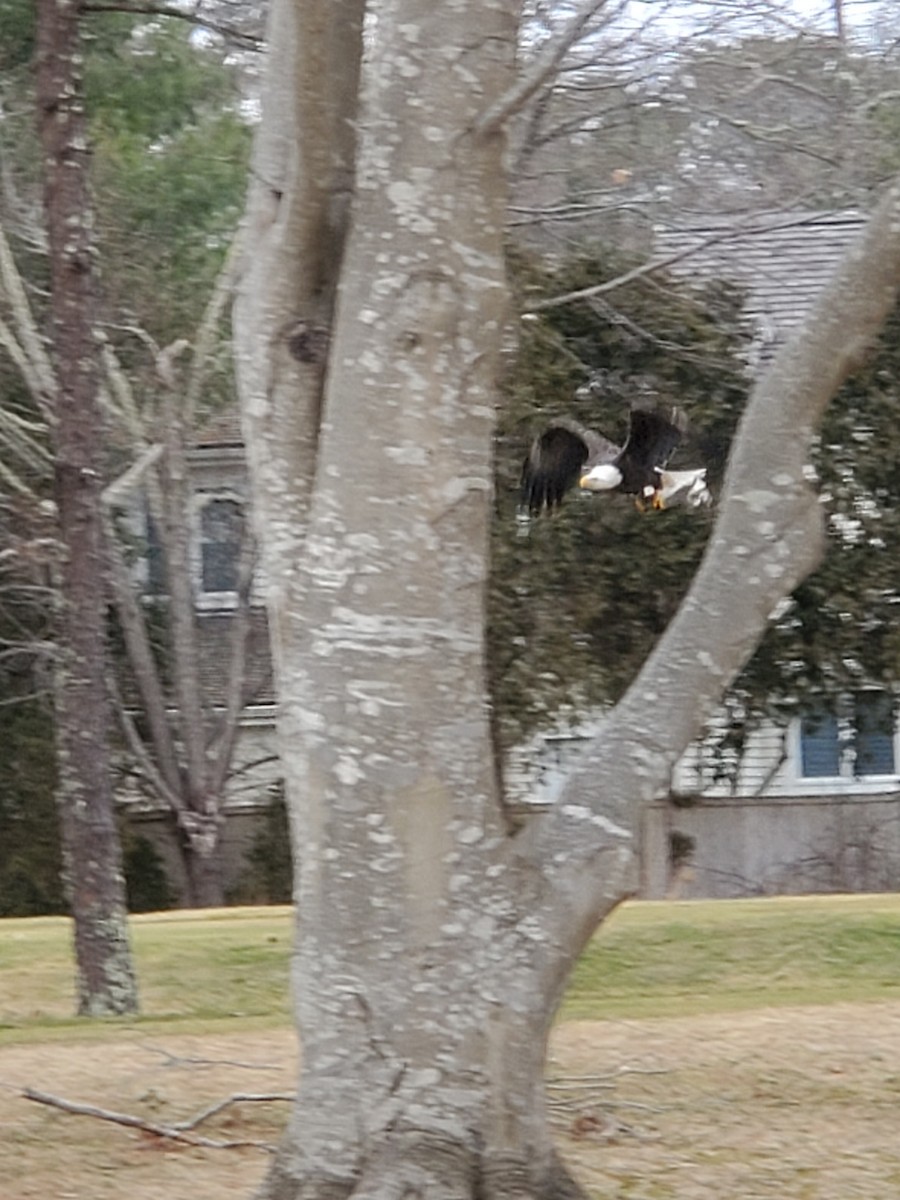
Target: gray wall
x: 765, y: 846
x: 786, y: 845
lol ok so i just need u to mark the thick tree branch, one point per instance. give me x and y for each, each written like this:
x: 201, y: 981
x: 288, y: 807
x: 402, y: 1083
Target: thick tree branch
x: 146, y: 676
x: 145, y: 763
x: 114, y: 493
x: 767, y: 538
x: 294, y: 233
x: 208, y: 329
x: 175, y: 534
x: 222, y: 749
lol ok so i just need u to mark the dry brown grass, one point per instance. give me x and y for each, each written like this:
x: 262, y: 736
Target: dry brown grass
x: 788, y: 1103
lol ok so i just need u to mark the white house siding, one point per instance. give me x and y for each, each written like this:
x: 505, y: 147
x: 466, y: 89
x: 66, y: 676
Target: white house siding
x: 762, y: 767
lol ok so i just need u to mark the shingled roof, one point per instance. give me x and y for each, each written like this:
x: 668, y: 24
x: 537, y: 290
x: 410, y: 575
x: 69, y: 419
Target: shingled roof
x: 780, y: 261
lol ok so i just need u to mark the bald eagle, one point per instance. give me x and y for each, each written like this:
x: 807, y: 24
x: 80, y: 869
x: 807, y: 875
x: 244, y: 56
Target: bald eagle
x: 566, y: 453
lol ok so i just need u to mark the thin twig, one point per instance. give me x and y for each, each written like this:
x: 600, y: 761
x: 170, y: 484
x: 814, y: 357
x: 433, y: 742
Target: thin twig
x: 180, y: 1060
x: 544, y: 66
x: 205, y: 1114
x: 249, y: 41
x: 660, y: 264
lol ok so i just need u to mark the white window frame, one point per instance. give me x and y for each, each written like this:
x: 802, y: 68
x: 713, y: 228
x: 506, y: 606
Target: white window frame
x: 846, y: 780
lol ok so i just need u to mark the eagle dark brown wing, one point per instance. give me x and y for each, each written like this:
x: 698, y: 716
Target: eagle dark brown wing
x: 556, y: 460
x: 652, y: 438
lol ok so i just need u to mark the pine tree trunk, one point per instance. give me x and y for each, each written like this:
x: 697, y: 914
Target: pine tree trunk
x: 106, y: 982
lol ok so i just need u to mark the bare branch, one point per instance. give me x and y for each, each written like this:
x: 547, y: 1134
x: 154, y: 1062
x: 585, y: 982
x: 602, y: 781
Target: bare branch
x: 647, y: 268
x: 204, y: 340
x: 660, y: 264
x: 213, y: 1110
x: 114, y: 493
x: 240, y: 627
x: 165, y: 775
x: 21, y: 362
x: 176, y: 493
x: 544, y: 66
x: 39, y: 375
x: 231, y: 33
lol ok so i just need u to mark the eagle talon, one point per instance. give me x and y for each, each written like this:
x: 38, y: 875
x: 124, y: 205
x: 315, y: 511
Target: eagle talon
x: 658, y: 503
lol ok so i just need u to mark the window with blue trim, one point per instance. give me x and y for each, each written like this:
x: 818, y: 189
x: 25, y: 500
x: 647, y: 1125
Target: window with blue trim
x: 856, y: 739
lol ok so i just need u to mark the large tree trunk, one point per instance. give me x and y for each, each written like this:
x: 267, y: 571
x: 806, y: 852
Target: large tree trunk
x: 433, y: 945
x: 106, y: 982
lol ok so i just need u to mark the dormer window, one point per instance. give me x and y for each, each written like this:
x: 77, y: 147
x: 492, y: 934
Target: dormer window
x: 221, y: 535
x: 217, y: 536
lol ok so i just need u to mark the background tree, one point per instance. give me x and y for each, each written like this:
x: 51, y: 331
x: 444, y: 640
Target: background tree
x: 170, y: 143
x: 105, y: 977
x: 369, y: 425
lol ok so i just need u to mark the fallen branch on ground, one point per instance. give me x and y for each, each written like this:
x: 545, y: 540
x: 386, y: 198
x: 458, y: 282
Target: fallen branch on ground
x: 178, y: 1133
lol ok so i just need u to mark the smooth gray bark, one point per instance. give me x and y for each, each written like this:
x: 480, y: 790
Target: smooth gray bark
x: 433, y: 945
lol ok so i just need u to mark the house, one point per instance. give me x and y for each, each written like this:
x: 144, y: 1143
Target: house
x: 813, y: 803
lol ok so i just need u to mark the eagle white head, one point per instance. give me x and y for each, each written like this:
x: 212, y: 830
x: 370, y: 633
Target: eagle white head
x: 602, y: 478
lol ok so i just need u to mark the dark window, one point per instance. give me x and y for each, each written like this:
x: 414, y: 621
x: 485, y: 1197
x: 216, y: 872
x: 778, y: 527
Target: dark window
x: 221, y: 529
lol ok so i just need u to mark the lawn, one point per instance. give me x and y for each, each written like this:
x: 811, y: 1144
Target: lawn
x: 229, y: 968
x: 195, y: 970
x: 738, y: 1048
x: 696, y: 956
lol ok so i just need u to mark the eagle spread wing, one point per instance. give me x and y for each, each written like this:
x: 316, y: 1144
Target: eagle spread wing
x: 652, y: 438
x: 557, y: 459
